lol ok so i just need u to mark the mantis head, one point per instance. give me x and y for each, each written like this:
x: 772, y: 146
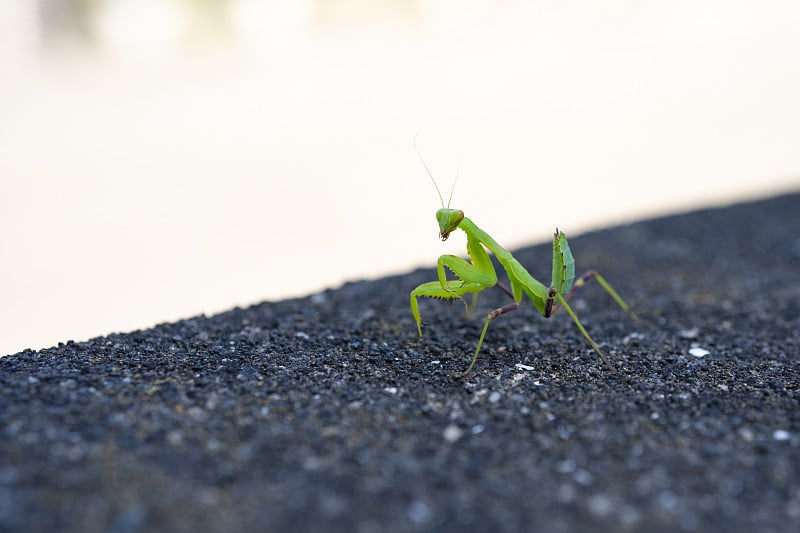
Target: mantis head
x: 448, y: 219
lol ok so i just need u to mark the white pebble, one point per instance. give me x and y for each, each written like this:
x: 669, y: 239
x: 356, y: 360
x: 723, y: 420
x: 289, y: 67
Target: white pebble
x: 452, y: 433
x: 780, y: 434
x: 494, y: 397
x: 632, y: 337
x: 524, y: 367
x: 698, y: 352
x: 302, y: 335
x: 390, y: 390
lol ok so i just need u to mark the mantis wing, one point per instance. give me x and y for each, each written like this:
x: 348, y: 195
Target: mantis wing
x: 563, y: 264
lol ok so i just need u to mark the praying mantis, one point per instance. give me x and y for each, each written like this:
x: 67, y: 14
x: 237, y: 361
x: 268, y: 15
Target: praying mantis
x: 479, y: 274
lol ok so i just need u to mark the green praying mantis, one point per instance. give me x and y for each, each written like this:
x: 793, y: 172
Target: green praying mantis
x: 479, y: 274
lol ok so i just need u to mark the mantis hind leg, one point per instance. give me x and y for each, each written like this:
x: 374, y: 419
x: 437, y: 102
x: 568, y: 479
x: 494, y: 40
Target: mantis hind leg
x: 579, y: 283
x: 555, y: 296
x: 563, y: 302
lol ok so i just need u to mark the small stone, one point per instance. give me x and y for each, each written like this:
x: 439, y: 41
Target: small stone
x: 175, y: 437
x: 600, y: 505
x: 318, y: 298
x: 419, y: 512
x: 452, y: 433
x: 667, y: 500
x: 583, y: 477
x: 566, y: 466
x: 781, y: 435
x: 632, y: 337
x: 746, y: 434
x: 690, y: 333
x: 698, y: 352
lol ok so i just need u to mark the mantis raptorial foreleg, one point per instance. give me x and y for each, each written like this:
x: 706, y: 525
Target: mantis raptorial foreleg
x: 480, y: 274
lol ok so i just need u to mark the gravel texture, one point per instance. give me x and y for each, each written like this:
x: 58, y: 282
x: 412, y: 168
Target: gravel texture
x: 326, y: 413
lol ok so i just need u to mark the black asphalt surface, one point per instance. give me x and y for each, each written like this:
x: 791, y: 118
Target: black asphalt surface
x: 326, y: 413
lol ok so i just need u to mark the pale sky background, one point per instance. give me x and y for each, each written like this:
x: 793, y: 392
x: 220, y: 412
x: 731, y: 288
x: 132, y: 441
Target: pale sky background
x: 165, y: 158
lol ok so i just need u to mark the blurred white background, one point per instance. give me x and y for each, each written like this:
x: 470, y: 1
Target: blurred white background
x: 163, y: 158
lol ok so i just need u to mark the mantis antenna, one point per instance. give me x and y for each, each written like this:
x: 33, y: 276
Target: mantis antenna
x: 441, y: 200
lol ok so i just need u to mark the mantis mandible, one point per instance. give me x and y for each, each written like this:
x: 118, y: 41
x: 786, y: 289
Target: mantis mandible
x: 473, y: 277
